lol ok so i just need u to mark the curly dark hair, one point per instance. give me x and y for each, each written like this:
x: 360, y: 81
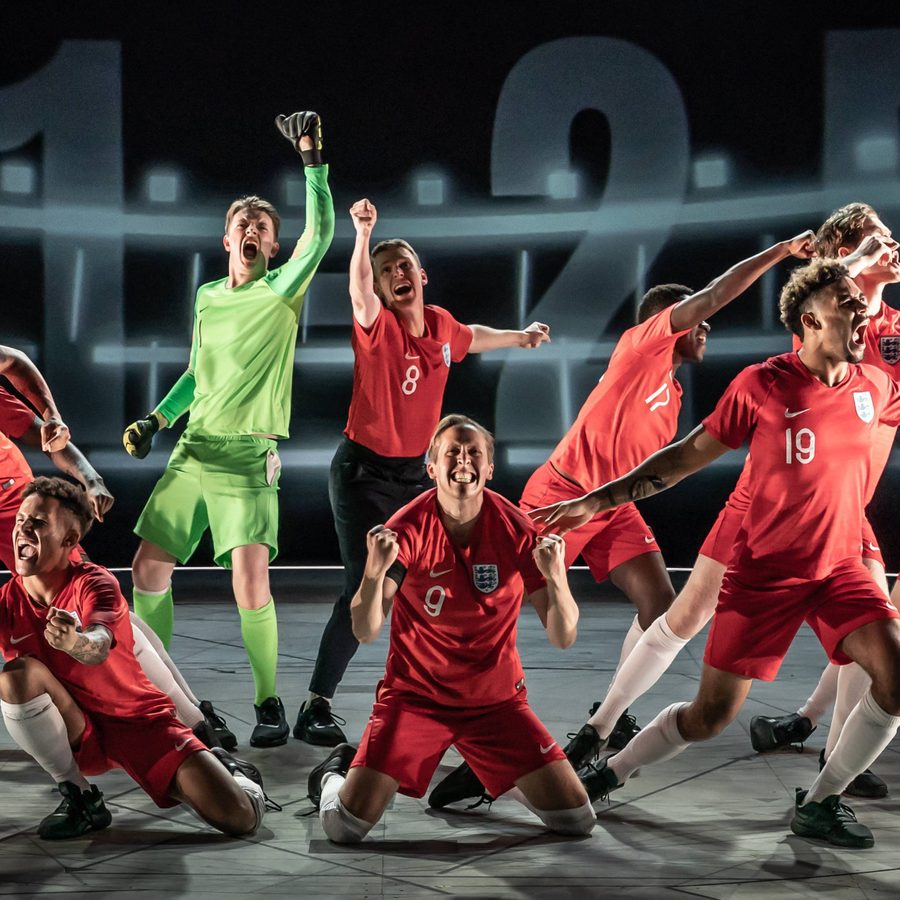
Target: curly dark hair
x: 68, y: 495
x: 805, y: 282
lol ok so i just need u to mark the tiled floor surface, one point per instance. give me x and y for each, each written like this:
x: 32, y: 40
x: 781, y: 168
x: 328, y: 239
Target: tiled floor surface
x: 710, y: 823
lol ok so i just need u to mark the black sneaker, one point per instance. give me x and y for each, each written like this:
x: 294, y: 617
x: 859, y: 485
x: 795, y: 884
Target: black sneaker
x: 461, y: 784
x: 831, y: 821
x: 583, y: 747
x: 337, y: 761
x: 204, y: 733
x: 599, y: 781
x: 79, y: 813
x: 218, y: 726
x: 271, y: 729
x: 777, y: 732
x: 866, y: 784
x: 238, y: 766
x: 318, y: 725
x: 626, y: 728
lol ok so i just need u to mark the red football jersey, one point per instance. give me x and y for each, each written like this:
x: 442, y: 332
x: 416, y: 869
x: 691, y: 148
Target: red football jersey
x: 399, y: 380
x: 15, y: 419
x: 811, y: 449
x: 631, y: 413
x: 453, y: 625
x: 116, y: 687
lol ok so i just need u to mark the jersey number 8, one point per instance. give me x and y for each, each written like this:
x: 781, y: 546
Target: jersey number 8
x: 411, y: 382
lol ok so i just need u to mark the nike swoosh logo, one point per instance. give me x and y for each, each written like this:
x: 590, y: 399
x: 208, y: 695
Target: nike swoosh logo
x: 433, y: 574
x: 183, y: 744
x: 869, y: 544
x: 18, y: 640
x: 548, y: 748
x: 410, y: 355
x: 649, y: 540
x: 790, y: 415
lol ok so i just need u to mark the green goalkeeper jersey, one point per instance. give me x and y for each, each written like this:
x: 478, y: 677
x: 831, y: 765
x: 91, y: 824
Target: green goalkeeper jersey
x: 242, y: 353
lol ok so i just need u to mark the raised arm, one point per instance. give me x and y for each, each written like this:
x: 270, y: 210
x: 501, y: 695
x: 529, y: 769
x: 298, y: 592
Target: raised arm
x: 372, y: 602
x: 90, y: 647
x: 722, y: 290
x: 25, y: 377
x: 554, y: 604
x: 485, y: 339
x: 657, y: 473
x: 366, y: 305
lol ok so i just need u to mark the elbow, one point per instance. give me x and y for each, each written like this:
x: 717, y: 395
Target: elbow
x: 364, y: 636
x: 563, y: 641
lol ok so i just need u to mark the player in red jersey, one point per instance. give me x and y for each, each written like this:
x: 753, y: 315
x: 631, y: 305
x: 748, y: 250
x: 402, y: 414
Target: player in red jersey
x: 403, y: 350
x: 455, y: 564
x: 74, y: 697
x: 855, y: 234
x: 632, y: 412
x: 811, y: 419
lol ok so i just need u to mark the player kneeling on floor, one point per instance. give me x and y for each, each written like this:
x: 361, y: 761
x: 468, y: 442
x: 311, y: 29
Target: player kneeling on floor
x: 455, y: 564
x: 74, y: 697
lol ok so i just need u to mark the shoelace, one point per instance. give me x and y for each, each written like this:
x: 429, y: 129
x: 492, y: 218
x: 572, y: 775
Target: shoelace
x: 335, y: 718
x: 484, y: 798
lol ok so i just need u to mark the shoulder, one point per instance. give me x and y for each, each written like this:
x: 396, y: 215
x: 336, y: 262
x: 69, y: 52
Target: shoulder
x: 438, y: 317
x: 515, y: 519
x: 211, y: 287
x: 657, y: 328
x: 90, y: 578
x: 416, y: 514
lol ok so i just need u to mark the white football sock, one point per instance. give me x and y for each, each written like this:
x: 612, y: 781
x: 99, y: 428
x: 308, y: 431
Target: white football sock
x: 580, y: 820
x: 160, y: 674
x: 852, y: 684
x: 340, y: 826
x: 37, y: 726
x: 658, y: 741
x: 867, y: 731
x: 822, y: 698
x: 139, y: 624
x: 649, y: 658
x: 256, y: 794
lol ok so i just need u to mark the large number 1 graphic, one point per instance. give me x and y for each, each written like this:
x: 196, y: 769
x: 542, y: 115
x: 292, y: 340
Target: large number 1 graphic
x: 75, y: 104
x: 648, y: 168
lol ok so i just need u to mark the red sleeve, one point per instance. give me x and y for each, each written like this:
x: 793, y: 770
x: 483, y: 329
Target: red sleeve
x: 100, y: 602
x: 524, y: 531
x: 15, y: 417
x: 366, y: 338
x: 647, y: 337
x: 890, y: 414
x: 457, y: 335
x: 735, y: 414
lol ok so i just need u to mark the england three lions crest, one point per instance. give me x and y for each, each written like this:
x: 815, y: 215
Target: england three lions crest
x: 445, y: 350
x: 890, y: 348
x: 865, y: 409
x: 486, y: 577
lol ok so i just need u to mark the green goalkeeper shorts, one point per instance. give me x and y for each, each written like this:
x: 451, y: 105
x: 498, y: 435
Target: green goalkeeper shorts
x: 226, y: 484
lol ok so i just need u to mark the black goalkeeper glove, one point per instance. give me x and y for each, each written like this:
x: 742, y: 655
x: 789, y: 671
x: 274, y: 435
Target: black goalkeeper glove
x: 138, y: 436
x: 303, y: 124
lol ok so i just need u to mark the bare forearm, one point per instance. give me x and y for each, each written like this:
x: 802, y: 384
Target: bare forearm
x: 360, y: 269
x: 73, y: 462
x: 28, y: 381
x: 562, y: 613
x: 485, y: 339
x: 367, y: 609
x: 91, y: 648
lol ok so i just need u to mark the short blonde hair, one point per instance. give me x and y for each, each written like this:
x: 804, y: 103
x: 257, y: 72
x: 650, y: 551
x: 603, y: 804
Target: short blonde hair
x: 843, y: 228
x: 455, y: 420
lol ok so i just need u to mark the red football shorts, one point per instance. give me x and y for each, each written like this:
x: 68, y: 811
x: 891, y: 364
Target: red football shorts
x: 150, y: 750
x: 608, y: 540
x: 407, y: 736
x: 754, y: 625
x: 870, y: 548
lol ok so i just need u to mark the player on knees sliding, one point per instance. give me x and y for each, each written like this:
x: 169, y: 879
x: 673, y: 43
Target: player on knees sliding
x: 403, y: 350
x: 810, y: 418
x: 223, y: 473
x: 453, y: 568
x: 74, y: 697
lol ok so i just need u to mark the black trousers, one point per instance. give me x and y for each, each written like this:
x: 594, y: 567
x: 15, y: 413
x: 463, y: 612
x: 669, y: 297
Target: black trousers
x: 365, y: 490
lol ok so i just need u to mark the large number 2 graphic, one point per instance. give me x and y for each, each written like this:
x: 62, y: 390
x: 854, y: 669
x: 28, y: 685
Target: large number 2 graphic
x: 648, y: 170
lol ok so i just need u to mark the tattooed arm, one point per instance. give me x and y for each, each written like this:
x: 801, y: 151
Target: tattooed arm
x: 657, y: 473
x: 90, y: 646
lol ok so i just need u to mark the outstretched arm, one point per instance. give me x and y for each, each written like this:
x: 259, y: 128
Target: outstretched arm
x: 25, y: 377
x: 655, y: 474
x: 555, y: 605
x: 485, y: 339
x: 372, y: 602
x: 366, y: 305
x: 722, y: 290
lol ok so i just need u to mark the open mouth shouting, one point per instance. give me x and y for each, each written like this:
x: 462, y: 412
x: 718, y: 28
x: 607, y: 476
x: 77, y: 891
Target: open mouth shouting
x: 462, y: 477
x: 249, y: 249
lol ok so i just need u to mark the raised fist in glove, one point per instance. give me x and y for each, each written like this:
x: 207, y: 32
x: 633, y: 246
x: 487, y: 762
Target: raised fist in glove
x: 301, y: 125
x: 138, y: 436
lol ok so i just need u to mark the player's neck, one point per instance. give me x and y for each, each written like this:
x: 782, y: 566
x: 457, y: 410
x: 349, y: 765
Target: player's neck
x: 873, y: 298
x: 239, y: 274
x: 45, y: 586
x: 830, y: 370
x: 412, y: 318
x: 459, y: 517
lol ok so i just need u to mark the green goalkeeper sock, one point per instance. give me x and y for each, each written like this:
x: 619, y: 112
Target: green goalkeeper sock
x: 259, y: 629
x: 157, y: 610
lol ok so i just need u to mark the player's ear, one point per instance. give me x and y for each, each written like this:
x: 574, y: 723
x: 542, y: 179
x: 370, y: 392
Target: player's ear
x: 71, y: 538
x: 226, y: 243
x: 430, y: 469
x: 808, y: 320
x: 490, y: 472
x: 424, y: 276
x: 842, y: 252
x: 275, y: 248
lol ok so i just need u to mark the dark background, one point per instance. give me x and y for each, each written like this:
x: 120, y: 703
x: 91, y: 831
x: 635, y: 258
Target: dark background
x: 407, y: 88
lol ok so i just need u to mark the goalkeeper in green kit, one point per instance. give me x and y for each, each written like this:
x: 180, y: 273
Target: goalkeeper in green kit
x: 223, y: 472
